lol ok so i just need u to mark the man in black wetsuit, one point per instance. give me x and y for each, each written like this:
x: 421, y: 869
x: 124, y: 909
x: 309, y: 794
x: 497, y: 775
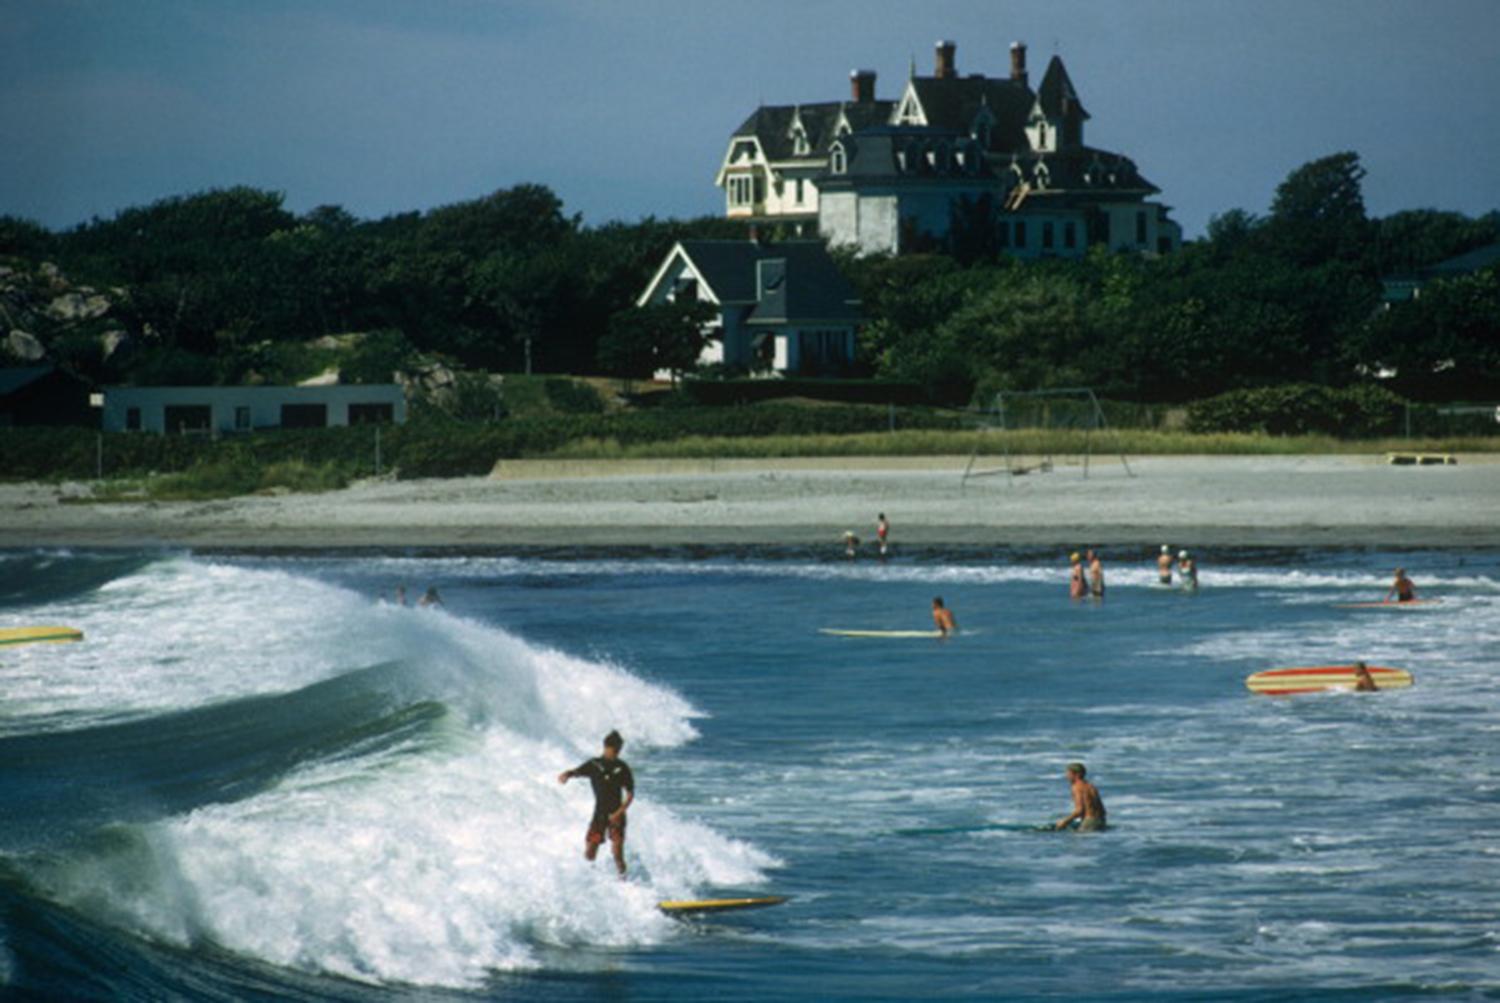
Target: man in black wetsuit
x: 614, y: 790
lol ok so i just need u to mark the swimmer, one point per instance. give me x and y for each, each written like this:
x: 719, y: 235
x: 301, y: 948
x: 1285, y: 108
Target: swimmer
x: 1164, y: 565
x: 942, y: 616
x: 430, y: 598
x: 1077, y: 586
x: 1088, y: 806
x: 851, y: 543
x: 1363, y: 681
x: 1096, y: 575
x: 1401, y: 588
x: 1187, y: 570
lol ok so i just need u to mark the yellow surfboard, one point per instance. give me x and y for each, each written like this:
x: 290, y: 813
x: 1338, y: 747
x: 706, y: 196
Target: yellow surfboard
x: 689, y: 907
x: 33, y: 635
x: 1312, y: 679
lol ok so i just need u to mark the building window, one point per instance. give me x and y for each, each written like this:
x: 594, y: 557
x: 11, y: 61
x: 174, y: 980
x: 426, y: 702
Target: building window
x: 304, y: 415
x: 188, y: 418
x: 371, y: 414
x: 837, y: 162
x: 132, y: 419
x: 1002, y: 234
x: 1041, y: 135
x: 823, y: 350
x: 1140, y: 228
x: 1070, y: 234
x: 1047, y: 234
x: 241, y: 418
x: 801, y: 195
x: 741, y: 190
x: 1020, y: 233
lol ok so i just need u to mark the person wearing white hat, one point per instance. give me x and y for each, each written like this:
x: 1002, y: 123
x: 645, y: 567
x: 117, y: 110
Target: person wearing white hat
x: 1187, y: 568
x: 1164, y: 565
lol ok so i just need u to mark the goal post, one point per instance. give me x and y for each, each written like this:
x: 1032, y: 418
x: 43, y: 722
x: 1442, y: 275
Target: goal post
x: 1067, y: 421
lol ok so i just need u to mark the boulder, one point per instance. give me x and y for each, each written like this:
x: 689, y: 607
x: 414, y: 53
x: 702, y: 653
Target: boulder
x: 25, y: 346
x: 83, y: 304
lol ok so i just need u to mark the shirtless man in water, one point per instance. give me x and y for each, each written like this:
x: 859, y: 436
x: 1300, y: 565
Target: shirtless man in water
x: 942, y: 616
x: 1164, y: 565
x: 1088, y: 806
x: 1401, y: 588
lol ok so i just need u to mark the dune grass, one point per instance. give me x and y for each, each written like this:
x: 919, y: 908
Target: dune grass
x: 226, y: 479
x: 921, y: 442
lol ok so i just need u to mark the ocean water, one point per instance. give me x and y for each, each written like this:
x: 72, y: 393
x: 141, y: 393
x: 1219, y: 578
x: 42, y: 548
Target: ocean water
x: 257, y: 780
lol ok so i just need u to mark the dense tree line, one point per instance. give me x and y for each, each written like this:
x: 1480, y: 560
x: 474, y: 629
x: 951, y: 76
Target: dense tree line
x: 1294, y: 296
x: 227, y: 286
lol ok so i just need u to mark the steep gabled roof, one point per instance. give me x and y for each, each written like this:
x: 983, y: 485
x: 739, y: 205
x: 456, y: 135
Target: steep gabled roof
x: 955, y: 102
x: 812, y: 289
x: 1057, y: 94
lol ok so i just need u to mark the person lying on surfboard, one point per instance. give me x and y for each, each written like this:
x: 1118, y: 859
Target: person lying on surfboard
x: 1401, y: 588
x: 1363, y: 681
x: 1088, y: 806
x: 942, y: 616
x: 614, y: 790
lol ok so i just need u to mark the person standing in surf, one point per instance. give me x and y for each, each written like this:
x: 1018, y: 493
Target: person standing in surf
x: 1096, y: 575
x: 1187, y: 570
x: 882, y: 530
x: 942, y: 616
x: 1401, y: 588
x: 614, y: 790
x: 1088, y: 806
x: 1164, y: 565
x: 1078, y: 586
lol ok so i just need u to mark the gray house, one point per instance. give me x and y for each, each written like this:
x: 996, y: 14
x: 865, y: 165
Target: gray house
x: 781, y: 308
x: 227, y: 410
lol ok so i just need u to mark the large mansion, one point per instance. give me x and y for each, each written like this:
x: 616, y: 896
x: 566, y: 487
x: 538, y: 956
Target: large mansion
x: 954, y: 155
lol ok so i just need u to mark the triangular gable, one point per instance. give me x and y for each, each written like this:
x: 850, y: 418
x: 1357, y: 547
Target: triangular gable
x: 678, y: 253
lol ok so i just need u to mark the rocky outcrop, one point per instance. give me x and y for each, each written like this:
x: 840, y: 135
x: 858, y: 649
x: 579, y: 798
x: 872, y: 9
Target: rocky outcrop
x: 39, y: 305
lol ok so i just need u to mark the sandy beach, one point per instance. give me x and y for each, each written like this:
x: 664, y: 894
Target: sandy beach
x: 1225, y: 501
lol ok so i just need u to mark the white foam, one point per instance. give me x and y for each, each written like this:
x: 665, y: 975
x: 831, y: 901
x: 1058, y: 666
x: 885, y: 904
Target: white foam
x: 429, y: 868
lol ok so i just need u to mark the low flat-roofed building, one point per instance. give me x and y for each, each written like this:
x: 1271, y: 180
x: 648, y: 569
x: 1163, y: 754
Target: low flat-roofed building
x: 230, y: 410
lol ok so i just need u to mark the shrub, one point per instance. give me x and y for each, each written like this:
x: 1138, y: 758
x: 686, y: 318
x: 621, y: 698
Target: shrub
x: 1356, y: 412
x: 572, y: 397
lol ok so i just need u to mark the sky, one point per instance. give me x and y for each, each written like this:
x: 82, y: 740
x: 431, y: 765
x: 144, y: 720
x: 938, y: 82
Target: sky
x: 624, y: 108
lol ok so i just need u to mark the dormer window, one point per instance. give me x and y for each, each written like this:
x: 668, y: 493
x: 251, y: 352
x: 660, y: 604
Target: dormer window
x: 1041, y: 135
x: 838, y: 160
x: 799, y: 142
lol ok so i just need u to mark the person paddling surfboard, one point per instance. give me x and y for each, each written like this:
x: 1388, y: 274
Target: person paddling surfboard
x: 942, y: 616
x: 1088, y: 806
x: 1401, y: 588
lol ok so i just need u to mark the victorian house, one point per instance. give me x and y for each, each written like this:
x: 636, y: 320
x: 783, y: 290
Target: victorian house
x: 981, y: 156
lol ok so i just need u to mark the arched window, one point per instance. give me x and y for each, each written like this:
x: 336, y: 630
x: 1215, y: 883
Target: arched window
x: 838, y: 160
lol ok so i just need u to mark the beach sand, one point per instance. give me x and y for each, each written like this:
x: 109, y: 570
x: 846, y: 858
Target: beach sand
x: 1185, y: 500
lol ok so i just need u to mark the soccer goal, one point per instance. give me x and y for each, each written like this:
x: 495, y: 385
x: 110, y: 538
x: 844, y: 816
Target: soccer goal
x: 1060, y: 427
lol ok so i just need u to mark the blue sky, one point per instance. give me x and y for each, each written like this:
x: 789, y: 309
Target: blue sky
x: 624, y: 107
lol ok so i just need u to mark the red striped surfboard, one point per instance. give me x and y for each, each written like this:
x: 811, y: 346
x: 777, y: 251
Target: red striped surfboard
x: 1312, y: 679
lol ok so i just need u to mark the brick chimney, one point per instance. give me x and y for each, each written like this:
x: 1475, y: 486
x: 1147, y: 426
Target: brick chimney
x: 946, y: 63
x: 1018, y: 62
x: 862, y: 85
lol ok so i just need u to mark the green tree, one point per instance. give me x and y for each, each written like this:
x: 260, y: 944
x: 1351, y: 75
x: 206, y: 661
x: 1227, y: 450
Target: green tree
x: 644, y: 340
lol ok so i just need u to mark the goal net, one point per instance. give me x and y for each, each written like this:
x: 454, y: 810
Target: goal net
x: 1036, y: 431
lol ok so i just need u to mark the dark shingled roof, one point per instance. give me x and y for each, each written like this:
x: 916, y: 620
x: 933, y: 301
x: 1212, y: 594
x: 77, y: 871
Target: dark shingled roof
x: 15, y: 378
x: 1055, y: 89
x: 875, y: 155
x: 812, y: 289
x: 954, y: 103
x: 772, y: 124
x: 1084, y: 169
